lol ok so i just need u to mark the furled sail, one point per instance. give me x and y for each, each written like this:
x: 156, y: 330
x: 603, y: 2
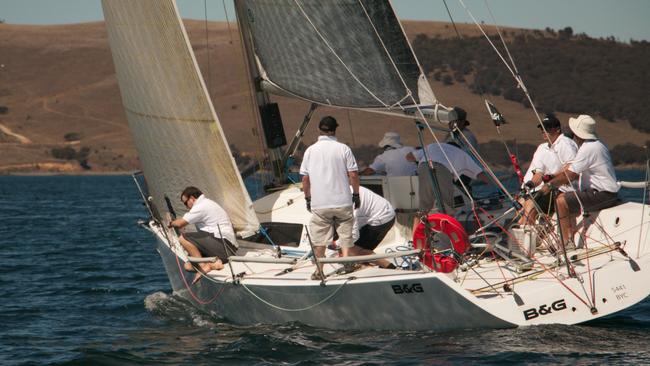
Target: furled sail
x: 344, y: 53
x: 179, y: 139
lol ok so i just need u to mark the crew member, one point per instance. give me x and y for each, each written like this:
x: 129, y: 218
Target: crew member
x: 549, y: 158
x: 454, y: 137
x: 391, y: 161
x: 593, y: 167
x: 372, y: 221
x: 443, y: 157
x: 214, y: 237
x: 328, y: 169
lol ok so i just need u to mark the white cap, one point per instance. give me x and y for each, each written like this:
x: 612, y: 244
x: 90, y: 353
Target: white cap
x: 584, y: 127
x: 390, y: 139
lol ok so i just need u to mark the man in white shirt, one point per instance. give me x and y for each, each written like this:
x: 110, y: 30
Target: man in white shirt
x: 455, y: 137
x: 445, y: 159
x: 549, y: 158
x: 328, y: 169
x: 214, y: 237
x: 391, y: 161
x: 372, y: 221
x: 593, y: 167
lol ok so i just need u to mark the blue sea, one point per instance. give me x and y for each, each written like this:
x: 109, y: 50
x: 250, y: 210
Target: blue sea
x: 82, y: 284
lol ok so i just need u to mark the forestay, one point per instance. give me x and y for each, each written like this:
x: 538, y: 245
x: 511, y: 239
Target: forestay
x: 344, y: 53
x: 179, y: 139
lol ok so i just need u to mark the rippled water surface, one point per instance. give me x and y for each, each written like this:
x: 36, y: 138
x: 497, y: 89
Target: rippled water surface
x: 82, y: 284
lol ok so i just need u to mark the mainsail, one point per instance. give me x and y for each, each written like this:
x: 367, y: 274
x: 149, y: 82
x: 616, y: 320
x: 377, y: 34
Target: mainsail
x: 179, y: 139
x: 344, y: 53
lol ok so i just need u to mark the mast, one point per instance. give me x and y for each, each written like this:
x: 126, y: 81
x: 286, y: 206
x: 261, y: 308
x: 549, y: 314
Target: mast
x: 267, y: 112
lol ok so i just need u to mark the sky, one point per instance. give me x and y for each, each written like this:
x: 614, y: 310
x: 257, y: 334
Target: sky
x: 623, y: 19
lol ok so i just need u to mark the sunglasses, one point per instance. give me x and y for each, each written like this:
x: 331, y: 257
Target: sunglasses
x: 185, y: 202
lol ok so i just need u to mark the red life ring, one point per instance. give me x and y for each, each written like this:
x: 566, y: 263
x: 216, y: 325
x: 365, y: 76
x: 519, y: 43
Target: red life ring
x: 449, y: 226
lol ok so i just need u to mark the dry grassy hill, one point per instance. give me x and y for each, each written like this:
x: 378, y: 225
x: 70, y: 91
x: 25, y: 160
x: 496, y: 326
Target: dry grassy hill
x: 58, y: 86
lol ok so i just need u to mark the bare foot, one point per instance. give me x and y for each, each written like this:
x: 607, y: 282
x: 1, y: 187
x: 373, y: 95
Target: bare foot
x: 197, y: 277
x: 216, y: 266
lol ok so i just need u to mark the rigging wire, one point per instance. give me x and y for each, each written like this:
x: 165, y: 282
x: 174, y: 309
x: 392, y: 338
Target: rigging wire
x: 645, y: 191
x: 521, y: 84
x: 354, y: 142
x: 207, y: 45
x: 410, y: 94
x: 225, y: 10
x: 261, y: 155
x: 481, y: 90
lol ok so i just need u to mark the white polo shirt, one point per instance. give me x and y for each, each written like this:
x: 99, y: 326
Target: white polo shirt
x: 374, y: 210
x: 594, y: 164
x: 208, y: 216
x: 392, y: 162
x: 462, y: 162
x: 550, y: 160
x: 327, y: 163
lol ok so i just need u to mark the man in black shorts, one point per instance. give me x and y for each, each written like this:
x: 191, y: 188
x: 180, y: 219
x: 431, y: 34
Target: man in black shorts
x: 214, y: 237
x: 593, y: 165
x: 372, y: 221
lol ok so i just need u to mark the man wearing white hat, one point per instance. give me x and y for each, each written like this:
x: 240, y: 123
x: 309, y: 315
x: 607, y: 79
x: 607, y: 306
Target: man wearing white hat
x: 593, y: 166
x: 391, y: 161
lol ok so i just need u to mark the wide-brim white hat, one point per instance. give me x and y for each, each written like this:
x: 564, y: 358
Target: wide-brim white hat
x: 584, y: 127
x: 390, y: 139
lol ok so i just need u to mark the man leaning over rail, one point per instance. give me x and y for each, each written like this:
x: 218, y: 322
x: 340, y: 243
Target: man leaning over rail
x: 214, y: 237
x: 593, y: 166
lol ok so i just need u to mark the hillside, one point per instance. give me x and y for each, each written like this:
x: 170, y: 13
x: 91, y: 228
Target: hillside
x: 60, y: 108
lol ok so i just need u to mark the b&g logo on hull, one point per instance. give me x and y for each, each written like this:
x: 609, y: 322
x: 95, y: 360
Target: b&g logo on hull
x: 407, y: 289
x: 544, y: 309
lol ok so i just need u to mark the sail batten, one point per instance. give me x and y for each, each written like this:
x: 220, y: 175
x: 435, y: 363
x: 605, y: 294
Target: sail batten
x: 177, y: 134
x: 343, y: 53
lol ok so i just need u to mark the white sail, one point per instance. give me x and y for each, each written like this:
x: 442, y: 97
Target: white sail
x: 179, y: 139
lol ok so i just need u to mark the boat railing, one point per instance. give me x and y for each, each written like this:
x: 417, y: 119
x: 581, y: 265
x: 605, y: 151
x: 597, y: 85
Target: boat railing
x: 350, y: 259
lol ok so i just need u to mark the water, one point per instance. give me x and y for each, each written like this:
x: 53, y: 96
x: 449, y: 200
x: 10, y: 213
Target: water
x: 82, y: 284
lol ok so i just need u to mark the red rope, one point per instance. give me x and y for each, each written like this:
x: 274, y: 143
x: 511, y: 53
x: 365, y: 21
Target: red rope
x: 187, y: 286
x: 547, y: 270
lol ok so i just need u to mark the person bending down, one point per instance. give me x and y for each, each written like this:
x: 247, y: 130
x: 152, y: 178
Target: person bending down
x: 214, y: 237
x: 372, y: 221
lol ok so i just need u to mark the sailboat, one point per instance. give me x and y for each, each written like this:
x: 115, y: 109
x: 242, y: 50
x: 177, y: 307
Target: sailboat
x: 346, y: 54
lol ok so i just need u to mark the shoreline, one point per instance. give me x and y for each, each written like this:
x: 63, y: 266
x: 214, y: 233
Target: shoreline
x: 50, y: 174
x: 130, y: 172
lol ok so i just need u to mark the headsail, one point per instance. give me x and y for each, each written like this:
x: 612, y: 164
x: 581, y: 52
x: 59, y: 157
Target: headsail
x: 179, y: 139
x: 344, y: 53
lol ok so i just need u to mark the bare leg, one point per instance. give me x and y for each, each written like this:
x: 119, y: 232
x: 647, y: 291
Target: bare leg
x: 345, y: 251
x: 567, y: 222
x: 530, y: 213
x: 319, y: 252
x: 192, y: 250
x: 356, y: 250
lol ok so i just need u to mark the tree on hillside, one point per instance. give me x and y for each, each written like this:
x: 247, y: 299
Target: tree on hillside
x: 564, y: 72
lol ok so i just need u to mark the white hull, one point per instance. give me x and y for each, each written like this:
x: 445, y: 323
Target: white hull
x: 372, y: 298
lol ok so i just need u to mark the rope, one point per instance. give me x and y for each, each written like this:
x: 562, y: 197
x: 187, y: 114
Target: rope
x: 189, y: 289
x: 207, y: 43
x: 297, y: 309
x: 520, y: 83
x: 225, y: 10
x: 645, y: 191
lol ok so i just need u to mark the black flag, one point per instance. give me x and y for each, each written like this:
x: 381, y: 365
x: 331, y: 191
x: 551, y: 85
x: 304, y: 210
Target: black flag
x: 496, y: 116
